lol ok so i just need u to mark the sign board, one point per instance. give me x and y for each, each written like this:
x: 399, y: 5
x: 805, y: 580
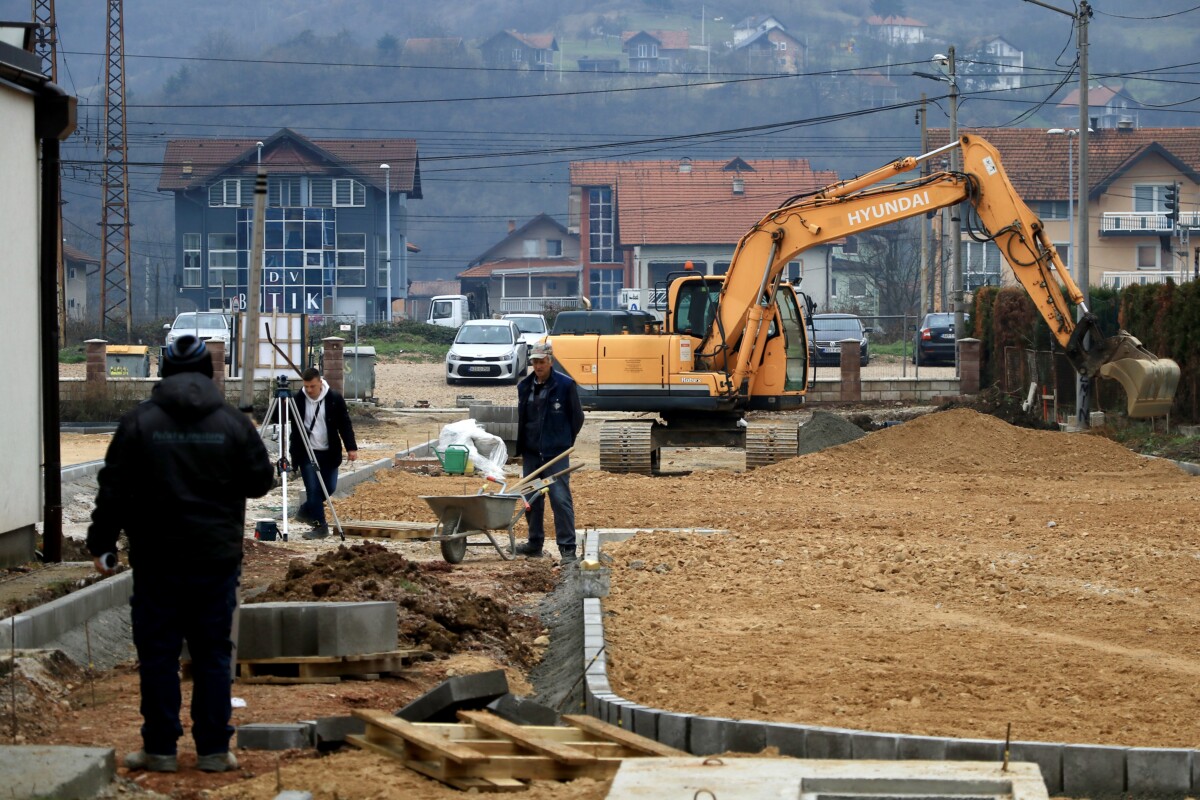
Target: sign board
x: 345, y: 327
x: 288, y: 332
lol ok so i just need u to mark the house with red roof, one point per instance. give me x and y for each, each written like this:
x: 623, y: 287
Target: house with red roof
x: 655, y: 51
x: 534, y: 268
x: 640, y: 221
x: 771, y: 49
x: 1108, y: 107
x: 326, y: 228
x: 1131, y: 235
x: 516, y: 50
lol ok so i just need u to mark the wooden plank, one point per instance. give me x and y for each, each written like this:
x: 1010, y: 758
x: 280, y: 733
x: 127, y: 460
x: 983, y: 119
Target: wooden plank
x: 387, y: 529
x: 453, y: 751
x: 639, y: 744
x: 524, y: 737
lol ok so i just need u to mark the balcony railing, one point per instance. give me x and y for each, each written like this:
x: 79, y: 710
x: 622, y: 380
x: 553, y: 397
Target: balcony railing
x: 1141, y: 277
x: 537, y: 305
x: 1145, y: 223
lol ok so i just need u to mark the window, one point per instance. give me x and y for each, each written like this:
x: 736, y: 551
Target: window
x: 191, y: 260
x: 858, y: 286
x: 1064, y: 254
x: 643, y: 51
x: 516, y: 55
x: 1051, y: 209
x: 981, y: 264
x: 554, y: 247
x: 781, y: 46
x: 351, y: 259
x: 225, y: 193
x: 1147, y: 256
x: 322, y: 192
x: 1148, y: 198
x: 381, y: 262
x: 720, y: 267
x: 529, y: 248
x: 348, y: 192
x: 285, y: 192
x: 605, y: 288
x: 601, y: 226
x: 222, y: 259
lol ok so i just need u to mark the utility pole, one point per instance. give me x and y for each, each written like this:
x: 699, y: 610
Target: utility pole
x: 924, y: 302
x: 114, y: 224
x: 956, y: 265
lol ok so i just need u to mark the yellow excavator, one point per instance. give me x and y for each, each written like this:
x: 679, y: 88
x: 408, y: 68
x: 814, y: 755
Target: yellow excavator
x: 733, y: 343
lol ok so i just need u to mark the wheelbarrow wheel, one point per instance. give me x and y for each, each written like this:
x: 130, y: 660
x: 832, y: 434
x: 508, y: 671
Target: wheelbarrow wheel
x: 454, y: 550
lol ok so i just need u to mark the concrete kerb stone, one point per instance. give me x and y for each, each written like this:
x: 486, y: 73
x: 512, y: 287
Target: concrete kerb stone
x: 828, y: 743
x: 441, y: 703
x: 77, y: 472
x: 1093, y: 770
x: 293, y: 794
x: 645, y: 722
x: 788, y: 738
x: 874, y: 746
x: 330, y: 732
x: 1165, y: 772
x: 745, y: 736
x: 974, y: 750
x: 708, y: 735
x: 1047, y: 756
x: 921, y: 748
x: 36, y: 772
x: 272, y: 736
x: 672, y: 729
x: 46, y: 623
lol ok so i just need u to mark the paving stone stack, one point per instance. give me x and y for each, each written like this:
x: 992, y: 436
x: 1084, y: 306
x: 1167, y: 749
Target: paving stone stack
x: 497, y: 420
x: 289, y: 630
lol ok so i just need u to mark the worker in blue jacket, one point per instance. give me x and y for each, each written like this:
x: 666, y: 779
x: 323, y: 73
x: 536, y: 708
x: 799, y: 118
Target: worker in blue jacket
x: 549, y: 417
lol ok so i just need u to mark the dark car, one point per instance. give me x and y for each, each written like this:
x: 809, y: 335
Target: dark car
x: 934, y: 340
x: 828, y: 332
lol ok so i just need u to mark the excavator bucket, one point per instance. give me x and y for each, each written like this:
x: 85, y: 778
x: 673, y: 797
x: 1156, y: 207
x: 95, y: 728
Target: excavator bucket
x: 1149, y: 381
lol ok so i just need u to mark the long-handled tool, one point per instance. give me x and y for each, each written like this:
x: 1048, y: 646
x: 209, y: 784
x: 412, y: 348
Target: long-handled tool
x: 525, y: 479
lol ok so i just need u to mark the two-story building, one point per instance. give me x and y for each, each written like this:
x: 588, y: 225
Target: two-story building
x: 82, y: 274
x: 535, y: 267
x: 515, y: 50
x: 993, y: 63
x: 771, y: 49
x: 1131, y: 235
x: 895, y: 30
x: 327, y: 244
x: 1108, y: 107
x: 640, y: 221
x: 655, y: 51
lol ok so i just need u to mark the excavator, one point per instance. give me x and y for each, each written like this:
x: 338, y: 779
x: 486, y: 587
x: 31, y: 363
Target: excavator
x: 734, y: 343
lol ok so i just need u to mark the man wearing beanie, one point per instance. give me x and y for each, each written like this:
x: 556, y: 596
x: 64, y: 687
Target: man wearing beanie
x: 175, y: 480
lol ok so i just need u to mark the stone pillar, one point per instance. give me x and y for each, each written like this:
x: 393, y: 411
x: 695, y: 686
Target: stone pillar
x: 216, y: 351
x: 334, y: 361
x: 96, y: 374
x: 969, y: 352
x: 851, y: 371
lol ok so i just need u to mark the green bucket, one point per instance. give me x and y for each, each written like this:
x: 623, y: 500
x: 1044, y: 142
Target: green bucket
x: 453, y: 459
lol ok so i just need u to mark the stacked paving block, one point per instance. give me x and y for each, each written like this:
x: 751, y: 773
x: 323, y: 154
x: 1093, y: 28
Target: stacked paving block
x: 497, y: 420
x: 290, y: 630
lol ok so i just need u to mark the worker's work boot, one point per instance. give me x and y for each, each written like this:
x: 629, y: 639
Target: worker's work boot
x: 151, y: 762
x: 319, y: 531
x: 529, y: 550
x: 217, y: 762
x: 566, y: 556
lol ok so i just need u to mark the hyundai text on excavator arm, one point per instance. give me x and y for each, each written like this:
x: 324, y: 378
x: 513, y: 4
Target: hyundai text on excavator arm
x: 737, y: 342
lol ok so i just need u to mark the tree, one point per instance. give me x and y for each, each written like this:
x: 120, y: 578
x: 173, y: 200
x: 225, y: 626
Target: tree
x: 888, y: 8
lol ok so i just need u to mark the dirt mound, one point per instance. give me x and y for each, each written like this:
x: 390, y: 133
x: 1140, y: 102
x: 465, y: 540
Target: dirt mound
x: 432, y: 611
x: 44, y: 681
x: 826, y: 430
x: 995, y: 403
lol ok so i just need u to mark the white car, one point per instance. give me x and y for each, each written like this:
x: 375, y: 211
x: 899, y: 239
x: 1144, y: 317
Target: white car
x: 533, y: 327
x: 487, y: 349
x: 201, y: 324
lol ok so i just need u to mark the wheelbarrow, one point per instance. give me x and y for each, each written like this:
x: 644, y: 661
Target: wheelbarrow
x: 483, y: 513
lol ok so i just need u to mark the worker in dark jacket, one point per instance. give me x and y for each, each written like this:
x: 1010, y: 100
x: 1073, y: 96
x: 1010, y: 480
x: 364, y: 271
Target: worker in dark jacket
x: 549, y: 417
x: 175, y: 480
x: 326, y: 423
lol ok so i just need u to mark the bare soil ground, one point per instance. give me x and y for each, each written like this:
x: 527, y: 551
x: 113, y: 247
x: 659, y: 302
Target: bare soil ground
x: 945, y: 576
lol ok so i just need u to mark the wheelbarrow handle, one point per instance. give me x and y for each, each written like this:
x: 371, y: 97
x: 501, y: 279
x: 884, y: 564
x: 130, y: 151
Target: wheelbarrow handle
x: 540, y: 469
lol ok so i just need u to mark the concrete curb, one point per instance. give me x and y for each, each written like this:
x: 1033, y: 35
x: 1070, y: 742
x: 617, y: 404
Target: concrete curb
x: 46, y: 623
x: 79, y: 471
x: 1072, y: 770
x: 345, y: 480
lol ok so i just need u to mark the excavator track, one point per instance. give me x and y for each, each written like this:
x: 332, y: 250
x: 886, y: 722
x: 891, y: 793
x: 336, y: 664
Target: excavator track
x: 770, y: 443
x: 627, y: 447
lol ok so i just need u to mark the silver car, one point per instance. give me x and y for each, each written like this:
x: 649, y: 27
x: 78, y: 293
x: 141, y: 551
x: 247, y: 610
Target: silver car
x: 487, y: 349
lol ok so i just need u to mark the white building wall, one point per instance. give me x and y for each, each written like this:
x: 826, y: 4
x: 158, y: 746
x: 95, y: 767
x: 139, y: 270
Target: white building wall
x: 20, y: 424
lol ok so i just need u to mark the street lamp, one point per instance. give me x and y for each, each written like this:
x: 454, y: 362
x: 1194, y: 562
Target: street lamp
x: 950, y: 77
x: 1071, y: 259
x: 387, y: 182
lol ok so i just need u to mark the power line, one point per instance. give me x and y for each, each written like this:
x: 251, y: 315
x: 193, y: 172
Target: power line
x: 1160, y: 16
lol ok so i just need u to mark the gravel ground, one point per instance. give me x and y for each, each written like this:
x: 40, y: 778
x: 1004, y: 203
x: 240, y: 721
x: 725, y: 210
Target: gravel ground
x: 408, y: 383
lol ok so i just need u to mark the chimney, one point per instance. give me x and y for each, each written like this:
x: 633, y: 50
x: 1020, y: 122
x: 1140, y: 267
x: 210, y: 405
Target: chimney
x: 512, y: 225
x: 1125, y: 124
x: 739, y: 186
x: 685, y: 165
x: 187, y: 167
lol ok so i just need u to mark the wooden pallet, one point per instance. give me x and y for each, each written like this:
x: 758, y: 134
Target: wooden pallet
x: 383, y: 529
x: 325, y: 669
x: 488, y: 754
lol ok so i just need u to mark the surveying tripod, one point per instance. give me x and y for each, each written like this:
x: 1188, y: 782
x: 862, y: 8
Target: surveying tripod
x: 283, y: 409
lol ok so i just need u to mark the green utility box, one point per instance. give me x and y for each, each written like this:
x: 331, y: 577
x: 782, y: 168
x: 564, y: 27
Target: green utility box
x: 128, y: 361
x: 358, y: 363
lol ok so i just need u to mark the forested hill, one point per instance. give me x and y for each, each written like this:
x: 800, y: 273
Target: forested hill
x: 495, y: 144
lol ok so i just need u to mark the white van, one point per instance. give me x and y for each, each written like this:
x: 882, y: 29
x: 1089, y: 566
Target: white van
x: 449, y: 310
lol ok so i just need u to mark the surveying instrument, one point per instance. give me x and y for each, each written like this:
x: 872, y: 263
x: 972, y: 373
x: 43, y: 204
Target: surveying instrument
x: 283, y: 411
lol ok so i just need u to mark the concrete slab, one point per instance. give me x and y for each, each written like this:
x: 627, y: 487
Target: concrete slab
x: 62, y: 773
x: 463, y: 692
x: 755, y: 778
x: 1154, y: 772
x: 271, y: 736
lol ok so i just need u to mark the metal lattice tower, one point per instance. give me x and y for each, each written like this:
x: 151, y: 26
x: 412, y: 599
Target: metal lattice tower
x: 46, y: 47
x: 114, y: 227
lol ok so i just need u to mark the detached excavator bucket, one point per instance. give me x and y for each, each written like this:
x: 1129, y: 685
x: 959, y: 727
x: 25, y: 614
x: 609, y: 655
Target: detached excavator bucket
x: 1149, y: 381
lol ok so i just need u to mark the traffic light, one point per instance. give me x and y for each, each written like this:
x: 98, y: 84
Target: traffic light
x: 1171, y: 202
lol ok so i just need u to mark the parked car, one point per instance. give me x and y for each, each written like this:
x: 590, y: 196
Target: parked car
x: 487, y: 349
x: 829, y: 330
x: 533, y: 327
x: 201, y: 324
x: 934, y: 340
